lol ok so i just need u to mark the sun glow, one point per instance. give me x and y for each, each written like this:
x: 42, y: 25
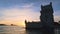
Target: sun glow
x: 21, y: 24
x: 18, y: 15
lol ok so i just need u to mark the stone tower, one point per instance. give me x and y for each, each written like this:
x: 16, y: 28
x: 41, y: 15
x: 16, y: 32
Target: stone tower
x: 47, y: 15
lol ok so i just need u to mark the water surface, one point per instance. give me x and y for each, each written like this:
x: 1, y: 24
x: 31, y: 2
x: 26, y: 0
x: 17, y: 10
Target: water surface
x: 17, y: 30
x: 20, y: 30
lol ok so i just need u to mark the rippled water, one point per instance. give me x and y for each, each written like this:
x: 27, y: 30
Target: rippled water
x: 11, y: 30
x: 17, y: 30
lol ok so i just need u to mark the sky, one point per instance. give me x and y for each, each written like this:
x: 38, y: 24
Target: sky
x: 17, y: 11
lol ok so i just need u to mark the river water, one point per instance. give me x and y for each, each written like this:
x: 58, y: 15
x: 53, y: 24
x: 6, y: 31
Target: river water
x: 15, y: 30
x: 19, y: 30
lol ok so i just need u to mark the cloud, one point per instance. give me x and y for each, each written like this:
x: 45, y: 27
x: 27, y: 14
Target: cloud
x: 56, y: 18
x: 17, y: 15
x: 57, y: 15
x: 57, y: 12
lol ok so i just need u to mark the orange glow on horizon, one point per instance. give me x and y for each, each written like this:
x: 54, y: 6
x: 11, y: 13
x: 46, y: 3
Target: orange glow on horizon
x: 18, y: 23
x: 22, y: 24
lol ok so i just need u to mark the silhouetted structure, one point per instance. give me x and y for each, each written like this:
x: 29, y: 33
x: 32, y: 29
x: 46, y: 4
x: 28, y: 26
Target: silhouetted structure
x: 47, y: 18
x: 13, y: 25
x: 3, y: 25
x: 47, y: 23
x: 33, y: 25
x: 47, y: 15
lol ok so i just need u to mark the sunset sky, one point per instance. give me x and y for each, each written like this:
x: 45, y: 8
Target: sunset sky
x: 16, y: 11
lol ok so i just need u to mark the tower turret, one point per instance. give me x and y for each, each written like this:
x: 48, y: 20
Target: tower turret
x: 47, y: 14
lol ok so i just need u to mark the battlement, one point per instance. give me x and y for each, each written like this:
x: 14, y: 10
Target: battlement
x: 47, y: 8
x: 47, y: 14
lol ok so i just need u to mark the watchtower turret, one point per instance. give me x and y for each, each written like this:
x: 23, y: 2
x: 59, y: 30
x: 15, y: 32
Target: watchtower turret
x: 47, y: 14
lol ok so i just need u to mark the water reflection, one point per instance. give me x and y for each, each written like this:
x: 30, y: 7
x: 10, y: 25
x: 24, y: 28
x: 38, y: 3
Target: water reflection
x: 33, y: 32
x: 20, y: 30
x: 17, y: 30
x: 11, y: 30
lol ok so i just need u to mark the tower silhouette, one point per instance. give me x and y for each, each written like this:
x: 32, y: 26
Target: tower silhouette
x: 47, y: 19
x: 47, y: 15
